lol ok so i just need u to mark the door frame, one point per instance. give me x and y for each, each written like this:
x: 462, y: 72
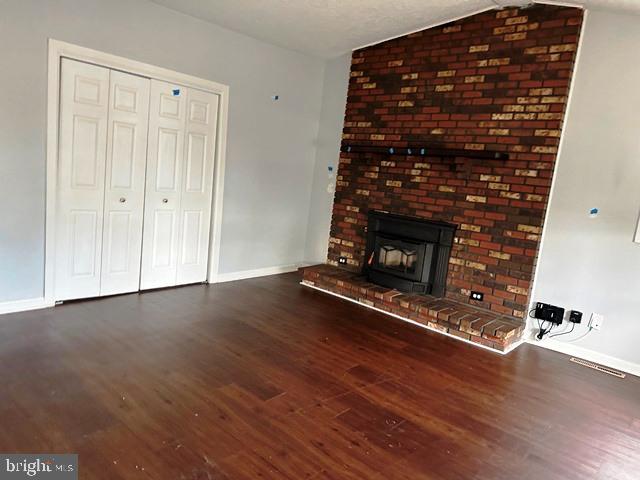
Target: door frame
x: 57, y: 51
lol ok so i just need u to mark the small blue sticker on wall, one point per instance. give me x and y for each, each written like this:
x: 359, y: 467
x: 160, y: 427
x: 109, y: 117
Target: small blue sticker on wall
x: 593, y: 212
x: 176, y: 92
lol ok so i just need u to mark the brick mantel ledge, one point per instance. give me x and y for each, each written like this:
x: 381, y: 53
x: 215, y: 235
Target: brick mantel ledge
x: 492, y: 330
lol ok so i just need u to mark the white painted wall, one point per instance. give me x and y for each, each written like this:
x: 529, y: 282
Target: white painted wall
x: 271, y: 145
x: 592, y: 264
x: 334, y: 99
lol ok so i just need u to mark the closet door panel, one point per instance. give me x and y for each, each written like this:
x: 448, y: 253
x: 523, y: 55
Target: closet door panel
x: 197, y: 186
x: 125, y: 183
x: 164, y: 179
x: 84, y: 98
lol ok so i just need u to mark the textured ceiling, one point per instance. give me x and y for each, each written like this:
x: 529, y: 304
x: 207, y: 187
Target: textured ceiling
x: 328, y: 28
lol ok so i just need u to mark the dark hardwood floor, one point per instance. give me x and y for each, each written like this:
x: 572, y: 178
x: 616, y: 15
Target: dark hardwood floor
x: 264, y: 378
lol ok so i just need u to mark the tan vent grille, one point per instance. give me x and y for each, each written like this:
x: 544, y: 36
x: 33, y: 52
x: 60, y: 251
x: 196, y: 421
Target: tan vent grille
x: 600, y: 368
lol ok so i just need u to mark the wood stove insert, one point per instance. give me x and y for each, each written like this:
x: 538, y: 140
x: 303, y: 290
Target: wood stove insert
x: 407, y: 253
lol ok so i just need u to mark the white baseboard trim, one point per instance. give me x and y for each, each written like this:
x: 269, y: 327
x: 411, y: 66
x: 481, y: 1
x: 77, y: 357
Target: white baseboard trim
x: 586, y: 354
x: 24, y: 305
x: 310, y: 263
x: 37, y: 303
x: 259, y: 272
x: 408, y: 320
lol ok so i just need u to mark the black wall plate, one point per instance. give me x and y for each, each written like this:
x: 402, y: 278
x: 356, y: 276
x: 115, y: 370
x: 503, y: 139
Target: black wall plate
x: 575, y: 316
x: 478, y: 296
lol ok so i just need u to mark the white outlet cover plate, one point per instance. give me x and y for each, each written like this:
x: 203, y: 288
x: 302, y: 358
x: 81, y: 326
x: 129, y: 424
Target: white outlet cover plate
x: 596, y: 321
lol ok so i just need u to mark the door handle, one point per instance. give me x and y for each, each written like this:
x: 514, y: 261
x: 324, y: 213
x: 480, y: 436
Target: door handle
x: 165, y: 200
x: 122, y: 199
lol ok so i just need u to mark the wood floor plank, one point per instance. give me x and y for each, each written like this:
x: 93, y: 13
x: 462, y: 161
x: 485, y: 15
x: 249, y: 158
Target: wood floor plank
x: 264, y: 378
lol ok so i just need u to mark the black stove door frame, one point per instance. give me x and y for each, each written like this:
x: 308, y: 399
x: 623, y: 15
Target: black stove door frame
x: 437, y: 237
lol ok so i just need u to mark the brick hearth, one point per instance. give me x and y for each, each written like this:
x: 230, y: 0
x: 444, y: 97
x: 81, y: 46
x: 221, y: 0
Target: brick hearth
x: 471, y: 323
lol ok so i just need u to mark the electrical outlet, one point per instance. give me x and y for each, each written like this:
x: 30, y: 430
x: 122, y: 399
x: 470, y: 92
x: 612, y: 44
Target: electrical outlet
x: 596, y: 321
x: 478, y: 296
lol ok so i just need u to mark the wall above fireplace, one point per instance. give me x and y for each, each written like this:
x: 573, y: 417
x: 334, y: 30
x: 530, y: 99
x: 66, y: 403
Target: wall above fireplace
x: 490, y: 91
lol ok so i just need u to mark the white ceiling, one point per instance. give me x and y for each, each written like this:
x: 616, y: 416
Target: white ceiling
x: 328, y: 28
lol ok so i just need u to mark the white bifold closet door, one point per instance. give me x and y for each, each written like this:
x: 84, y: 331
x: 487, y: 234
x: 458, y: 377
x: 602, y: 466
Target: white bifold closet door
x: 177, y: 216
x: 84, y: 106
x: 124, y: 183
x: 197, y: 186
x: 135, y: 182
x: 101, y: 172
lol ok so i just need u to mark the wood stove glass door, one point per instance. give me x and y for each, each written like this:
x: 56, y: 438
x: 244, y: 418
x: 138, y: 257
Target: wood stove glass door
x: 399, y: 257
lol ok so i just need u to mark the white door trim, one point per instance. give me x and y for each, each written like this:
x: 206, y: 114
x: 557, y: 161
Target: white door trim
x: 58, y: 50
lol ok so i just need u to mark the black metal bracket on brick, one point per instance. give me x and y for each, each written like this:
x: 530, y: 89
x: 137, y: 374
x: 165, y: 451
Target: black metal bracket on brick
x: 423, y: 151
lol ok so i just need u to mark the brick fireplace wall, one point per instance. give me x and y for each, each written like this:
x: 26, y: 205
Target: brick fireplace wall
x: 496, y: 81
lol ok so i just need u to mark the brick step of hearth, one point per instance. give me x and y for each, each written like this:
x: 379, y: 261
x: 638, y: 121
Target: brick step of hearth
x: 491, y: 329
